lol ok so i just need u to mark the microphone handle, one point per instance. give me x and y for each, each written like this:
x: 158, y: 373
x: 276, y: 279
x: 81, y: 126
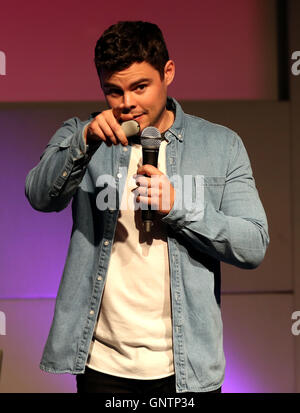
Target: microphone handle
x: 150, y: 157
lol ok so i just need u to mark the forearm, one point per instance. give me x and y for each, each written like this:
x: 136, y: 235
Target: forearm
x: 52, y: 183
x: 238, y: 241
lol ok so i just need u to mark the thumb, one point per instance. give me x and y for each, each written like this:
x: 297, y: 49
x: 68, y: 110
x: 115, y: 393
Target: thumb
x: 148, y: 170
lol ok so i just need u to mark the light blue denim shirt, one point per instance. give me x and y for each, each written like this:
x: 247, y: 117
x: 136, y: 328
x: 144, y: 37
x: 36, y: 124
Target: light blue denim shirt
x: 227, y: 223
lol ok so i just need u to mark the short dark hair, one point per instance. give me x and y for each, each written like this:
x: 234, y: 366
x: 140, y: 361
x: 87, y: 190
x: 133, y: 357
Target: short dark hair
x: 128, y: 42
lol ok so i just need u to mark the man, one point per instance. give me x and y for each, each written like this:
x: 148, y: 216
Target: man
x: 139, y: 311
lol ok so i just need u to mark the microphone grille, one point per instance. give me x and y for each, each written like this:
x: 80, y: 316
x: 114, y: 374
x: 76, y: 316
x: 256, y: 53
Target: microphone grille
x: 151, y: 137
x: 151, y: 132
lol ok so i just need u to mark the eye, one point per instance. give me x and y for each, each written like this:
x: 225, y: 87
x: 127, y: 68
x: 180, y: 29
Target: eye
x: 141, y: 88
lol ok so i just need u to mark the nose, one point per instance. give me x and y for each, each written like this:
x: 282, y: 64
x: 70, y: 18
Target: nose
x: 128, y: 102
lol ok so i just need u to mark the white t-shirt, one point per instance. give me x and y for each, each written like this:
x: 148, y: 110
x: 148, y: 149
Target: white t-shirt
x: 133, y: 334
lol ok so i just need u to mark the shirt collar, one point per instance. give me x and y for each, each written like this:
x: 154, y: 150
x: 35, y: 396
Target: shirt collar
x: 177, y: 129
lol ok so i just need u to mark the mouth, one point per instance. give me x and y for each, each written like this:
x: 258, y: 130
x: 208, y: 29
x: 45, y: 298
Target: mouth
x: 137, y: 117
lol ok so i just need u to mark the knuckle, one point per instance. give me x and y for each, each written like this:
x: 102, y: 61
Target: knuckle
x: 109, y: 134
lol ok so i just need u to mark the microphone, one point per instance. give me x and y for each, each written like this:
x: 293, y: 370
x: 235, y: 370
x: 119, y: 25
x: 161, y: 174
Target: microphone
x: 130, y: 128
x: 150, y: 141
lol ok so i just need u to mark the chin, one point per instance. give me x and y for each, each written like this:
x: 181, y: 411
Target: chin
x: 143, y: 125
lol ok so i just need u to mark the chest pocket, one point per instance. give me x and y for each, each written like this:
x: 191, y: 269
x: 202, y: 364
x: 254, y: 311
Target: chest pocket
x: 213, y: 190
x: 198, y: 191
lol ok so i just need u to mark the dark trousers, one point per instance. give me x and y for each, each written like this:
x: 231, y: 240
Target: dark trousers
x: 95, y: 382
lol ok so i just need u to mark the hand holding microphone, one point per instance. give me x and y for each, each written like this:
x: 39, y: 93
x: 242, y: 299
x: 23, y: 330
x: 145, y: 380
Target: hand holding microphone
x: 106, y: 127
x: 154, y: 188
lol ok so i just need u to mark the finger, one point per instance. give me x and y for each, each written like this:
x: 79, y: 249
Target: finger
x: 106, y: 130
x: 119, y: 133
x: 149, y: 170
x: 110, y: 127
x: 94, y: 132
x: 143, y: 181
x: 115, y: 126
x: 147, y: 191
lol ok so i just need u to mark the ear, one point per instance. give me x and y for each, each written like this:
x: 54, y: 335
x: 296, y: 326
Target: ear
x: 169, y: 72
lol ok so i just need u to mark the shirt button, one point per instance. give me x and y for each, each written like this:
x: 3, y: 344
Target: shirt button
x: 119, y: 175
x: 65, y: 173
x: 125, y: 149
x: 106, y: 242
x: 99, y: 278
x: 92, y: 312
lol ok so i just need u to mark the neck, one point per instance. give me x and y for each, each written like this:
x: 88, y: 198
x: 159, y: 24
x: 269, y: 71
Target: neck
x: 167, y: 121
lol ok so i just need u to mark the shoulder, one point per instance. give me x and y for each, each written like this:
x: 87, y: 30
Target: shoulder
x: 202, y: 128
x: 67, y: 129
x: 210, y: 131
x: 75, y: 122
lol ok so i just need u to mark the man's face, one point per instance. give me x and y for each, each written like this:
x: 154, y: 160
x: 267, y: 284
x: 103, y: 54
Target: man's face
x: 139, y: 93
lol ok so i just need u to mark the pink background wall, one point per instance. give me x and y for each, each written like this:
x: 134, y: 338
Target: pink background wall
x: 222, y: 49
